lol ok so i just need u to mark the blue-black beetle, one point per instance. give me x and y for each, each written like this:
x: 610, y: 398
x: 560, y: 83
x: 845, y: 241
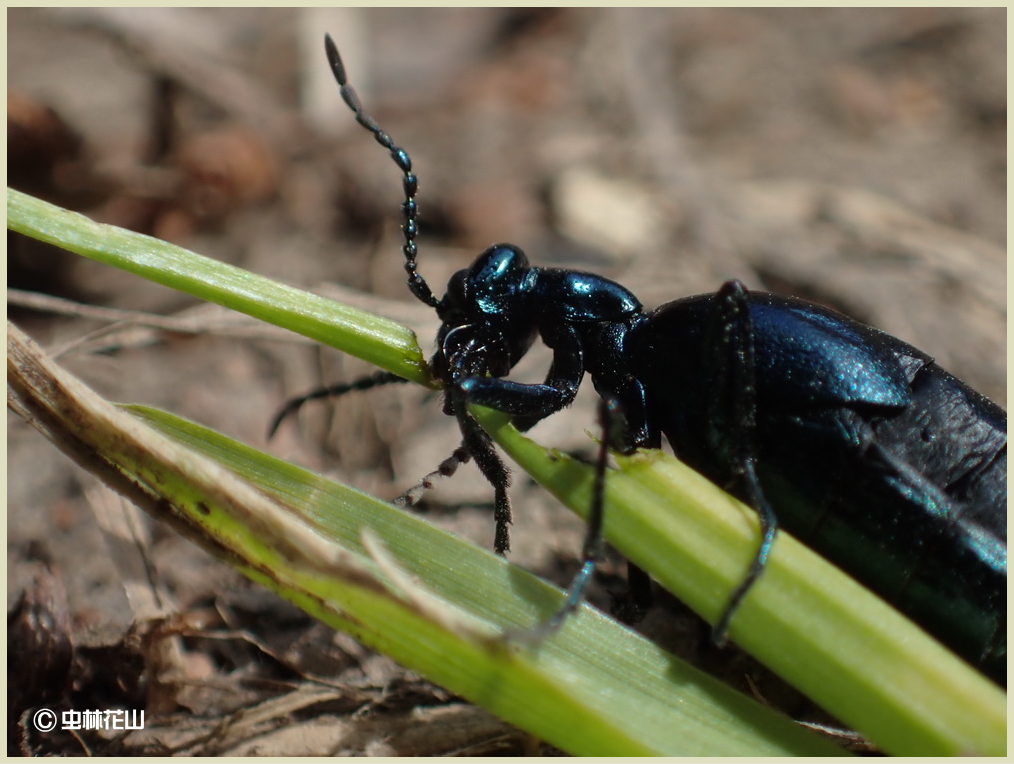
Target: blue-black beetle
x: 873, y: 455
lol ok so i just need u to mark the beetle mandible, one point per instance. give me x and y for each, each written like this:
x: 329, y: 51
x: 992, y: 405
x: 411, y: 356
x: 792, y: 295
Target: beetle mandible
x: 875, y: 456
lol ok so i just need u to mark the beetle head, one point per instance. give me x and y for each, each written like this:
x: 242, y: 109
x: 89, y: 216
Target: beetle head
x: 485, y: 313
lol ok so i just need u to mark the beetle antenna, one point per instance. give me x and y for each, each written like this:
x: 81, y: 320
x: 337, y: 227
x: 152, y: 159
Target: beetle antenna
x: 446, y: 469
x: 409, y: 208
x: 376, y: 379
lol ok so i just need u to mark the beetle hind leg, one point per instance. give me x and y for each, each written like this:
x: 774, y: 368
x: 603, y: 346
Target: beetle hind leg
x: 731, y: 412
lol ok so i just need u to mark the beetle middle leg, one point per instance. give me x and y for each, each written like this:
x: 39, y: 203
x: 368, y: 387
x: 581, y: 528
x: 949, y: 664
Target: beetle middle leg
x: 611, y: 418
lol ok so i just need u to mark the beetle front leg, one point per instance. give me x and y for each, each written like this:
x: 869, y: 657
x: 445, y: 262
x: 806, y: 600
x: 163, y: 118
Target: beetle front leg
x: 531, y: 403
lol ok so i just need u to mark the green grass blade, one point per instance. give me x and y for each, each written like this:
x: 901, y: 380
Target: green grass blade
x: 375, y: 339
x: 632, y: 683
x: 855, y: 656
x: 433, y: 602
x: 809, y: 622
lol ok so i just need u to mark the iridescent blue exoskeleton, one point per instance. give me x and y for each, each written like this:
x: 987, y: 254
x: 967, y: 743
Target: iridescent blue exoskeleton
x: 855, y: 442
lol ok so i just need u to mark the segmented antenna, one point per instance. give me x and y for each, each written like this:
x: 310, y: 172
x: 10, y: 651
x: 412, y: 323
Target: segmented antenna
x: 409, y: 208
x: 378, y: 379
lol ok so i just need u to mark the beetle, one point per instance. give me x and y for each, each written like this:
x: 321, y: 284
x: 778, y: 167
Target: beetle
x: 874, y: 456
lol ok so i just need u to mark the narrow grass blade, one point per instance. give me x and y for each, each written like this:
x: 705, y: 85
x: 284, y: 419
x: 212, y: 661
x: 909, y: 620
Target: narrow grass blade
x: 431, y: 601
x: 373, y: 338
x: 806, y: 620
x: 833, y: 640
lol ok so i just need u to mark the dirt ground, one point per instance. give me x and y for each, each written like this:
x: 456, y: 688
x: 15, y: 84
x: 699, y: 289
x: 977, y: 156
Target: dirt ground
x: 855, y: 157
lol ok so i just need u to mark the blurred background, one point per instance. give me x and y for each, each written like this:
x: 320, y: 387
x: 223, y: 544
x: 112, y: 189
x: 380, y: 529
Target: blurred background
x: 854, y: 157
